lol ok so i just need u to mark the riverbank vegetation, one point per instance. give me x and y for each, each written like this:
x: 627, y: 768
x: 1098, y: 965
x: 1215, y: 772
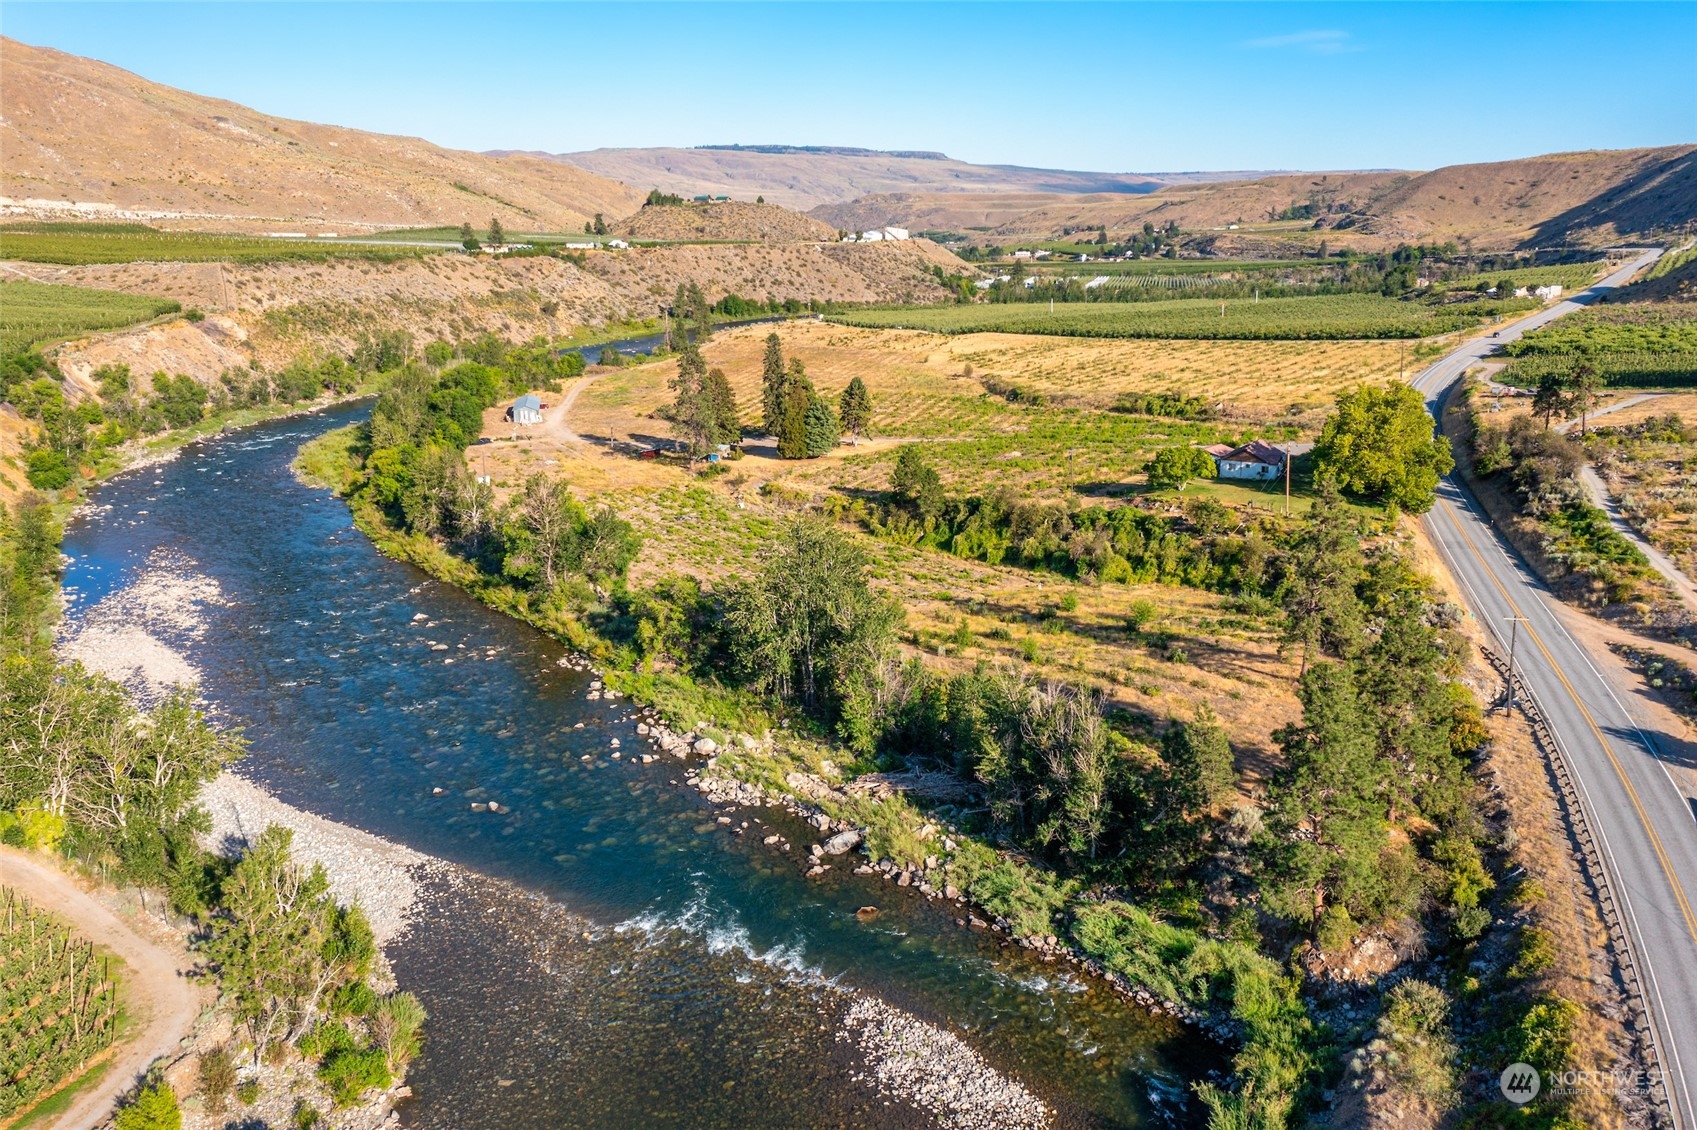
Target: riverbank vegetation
x: 1151, y: 835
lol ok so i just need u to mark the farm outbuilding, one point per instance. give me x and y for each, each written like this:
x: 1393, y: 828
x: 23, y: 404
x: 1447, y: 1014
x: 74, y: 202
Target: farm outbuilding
x: 527, y: 409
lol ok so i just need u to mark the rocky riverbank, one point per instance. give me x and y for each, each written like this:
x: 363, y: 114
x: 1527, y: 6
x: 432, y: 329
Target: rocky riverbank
x: 803, y: 795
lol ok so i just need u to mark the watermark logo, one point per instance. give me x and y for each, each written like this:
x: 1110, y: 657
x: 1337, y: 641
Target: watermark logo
x: 1520, y: 1083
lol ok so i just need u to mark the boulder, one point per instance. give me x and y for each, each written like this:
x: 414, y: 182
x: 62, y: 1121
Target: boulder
x: 706, y: 745
x: 842, y: 842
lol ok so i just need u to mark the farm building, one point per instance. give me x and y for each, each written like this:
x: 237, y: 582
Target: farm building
x: 1256, y: 459
x: 1548, y: 292
x: 527, y: 409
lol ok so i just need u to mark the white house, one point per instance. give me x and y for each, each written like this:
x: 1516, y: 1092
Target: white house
x: 1548, y: 292
x: 527, y: 409
x: 871, y: 236
x: 1256, y: 459
x: 895, y: 233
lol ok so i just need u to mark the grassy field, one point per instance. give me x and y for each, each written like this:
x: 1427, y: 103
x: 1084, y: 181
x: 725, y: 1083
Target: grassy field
x: 1068, y: 449
x: 1326, y: 318
x: 79, y: 244
x: 32, y: 312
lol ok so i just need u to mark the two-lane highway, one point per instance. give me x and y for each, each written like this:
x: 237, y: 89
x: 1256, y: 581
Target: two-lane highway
x: 1641, y: 818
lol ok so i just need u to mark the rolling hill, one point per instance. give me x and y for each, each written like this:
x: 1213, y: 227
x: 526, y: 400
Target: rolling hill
x: 78, y: 130
x: 808, y: 176
x: 1587, y: 198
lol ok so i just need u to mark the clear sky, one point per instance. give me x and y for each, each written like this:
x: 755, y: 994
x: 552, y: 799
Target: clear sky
x: 1106, y: 87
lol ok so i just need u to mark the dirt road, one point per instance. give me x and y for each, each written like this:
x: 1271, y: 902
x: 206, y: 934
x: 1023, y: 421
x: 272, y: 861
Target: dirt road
x: 157, y: 995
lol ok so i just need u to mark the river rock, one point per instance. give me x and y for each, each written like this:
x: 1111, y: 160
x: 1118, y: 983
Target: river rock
x: 842, y: 842
x: 706, y: 745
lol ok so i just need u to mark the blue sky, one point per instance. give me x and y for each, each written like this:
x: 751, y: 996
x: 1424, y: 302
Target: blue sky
x: 1111, y: 87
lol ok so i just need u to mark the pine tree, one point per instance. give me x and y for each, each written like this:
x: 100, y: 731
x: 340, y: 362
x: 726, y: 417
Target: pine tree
x: 468, y: 238
x: 1327, y: 816
x: 497, y: 235
x: 855, y: 409
x: 772, y: 377
x: 600, y: 224
x: 722, y: 405
x: 692, y: 412
x: 701, y: 311
x: 821, y: 428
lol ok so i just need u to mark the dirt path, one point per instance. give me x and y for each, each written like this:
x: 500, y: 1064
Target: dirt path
x: 157, y: 995
x: 1661, y: 562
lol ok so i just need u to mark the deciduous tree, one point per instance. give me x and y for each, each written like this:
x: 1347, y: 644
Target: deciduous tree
x: 1379, y: 444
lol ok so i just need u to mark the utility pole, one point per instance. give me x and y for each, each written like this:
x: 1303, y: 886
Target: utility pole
x: 1287, y: 481
x: 1513, y: 637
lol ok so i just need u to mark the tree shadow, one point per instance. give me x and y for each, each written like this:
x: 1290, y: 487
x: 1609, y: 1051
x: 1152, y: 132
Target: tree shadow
x: 1670, y: 749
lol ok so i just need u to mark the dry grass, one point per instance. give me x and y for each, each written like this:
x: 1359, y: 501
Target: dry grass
x: 1195, y: 650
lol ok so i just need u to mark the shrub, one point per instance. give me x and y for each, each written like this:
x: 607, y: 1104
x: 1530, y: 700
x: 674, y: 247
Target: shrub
x: 153, y: 1108
x: 217, y: 1078
x: 349, y: 1074
x: 47, y: 469
x: 247, y: 1092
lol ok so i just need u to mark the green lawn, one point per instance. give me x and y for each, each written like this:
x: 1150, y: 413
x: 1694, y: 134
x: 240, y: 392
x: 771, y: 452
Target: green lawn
x: 32, y: 312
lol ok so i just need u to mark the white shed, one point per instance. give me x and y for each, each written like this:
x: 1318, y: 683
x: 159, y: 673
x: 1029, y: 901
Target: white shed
x: 527, y: 409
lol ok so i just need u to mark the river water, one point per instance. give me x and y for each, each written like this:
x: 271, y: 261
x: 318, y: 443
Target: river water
x: 626, y: 963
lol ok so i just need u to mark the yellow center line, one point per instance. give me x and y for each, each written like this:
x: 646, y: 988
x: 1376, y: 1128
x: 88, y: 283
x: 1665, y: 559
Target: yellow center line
x: 1620, y: 772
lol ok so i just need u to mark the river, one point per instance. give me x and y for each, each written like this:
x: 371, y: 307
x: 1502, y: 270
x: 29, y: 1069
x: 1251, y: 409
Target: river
x: 628, y: 963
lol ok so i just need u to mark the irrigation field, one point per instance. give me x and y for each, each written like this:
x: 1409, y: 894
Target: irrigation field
x: 32, y: 312
x: 75, y: 245
x: 1321, y: 318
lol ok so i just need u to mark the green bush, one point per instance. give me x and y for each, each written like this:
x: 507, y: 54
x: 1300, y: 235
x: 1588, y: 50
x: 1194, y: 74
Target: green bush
x: 154, y: 1108
x: 351, y: 1073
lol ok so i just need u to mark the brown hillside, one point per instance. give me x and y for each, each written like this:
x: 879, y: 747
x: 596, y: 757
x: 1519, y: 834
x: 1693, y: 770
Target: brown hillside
x: 1191, y: 206
x: 1589, y: 198
x: 808, y: 176
x: 73, y: 129
x: 832, y: 272
x: 1594, y: 197
x: 726, y: 220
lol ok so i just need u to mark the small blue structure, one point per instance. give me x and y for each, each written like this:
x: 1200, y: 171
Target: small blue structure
x: 527, y: 409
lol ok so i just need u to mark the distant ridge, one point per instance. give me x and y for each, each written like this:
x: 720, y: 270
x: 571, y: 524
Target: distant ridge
x: 834, y: 150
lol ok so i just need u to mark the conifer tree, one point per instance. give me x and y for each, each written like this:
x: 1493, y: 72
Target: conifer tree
x: 692, y: 412
x: 497, y: 234
x: 798, y: 398
x: 855, y: 409
x: 772, y: 376
x: 821, y: 427
x: 722, y: 408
